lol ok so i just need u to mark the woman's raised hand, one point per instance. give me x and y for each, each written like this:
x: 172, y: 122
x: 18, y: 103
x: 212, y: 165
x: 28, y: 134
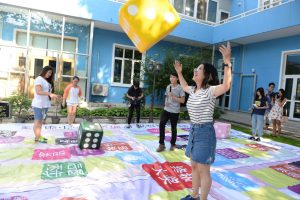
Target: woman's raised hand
x: 226, y: 52
x: 178, y: 66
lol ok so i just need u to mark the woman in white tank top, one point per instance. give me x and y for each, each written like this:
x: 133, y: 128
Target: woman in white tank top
x: 72, y: 93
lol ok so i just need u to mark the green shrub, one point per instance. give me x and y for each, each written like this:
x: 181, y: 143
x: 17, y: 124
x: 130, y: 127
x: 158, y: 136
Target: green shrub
x: 63, y: 112
x: 184, y: 115
x: 20, y: 105
x: 98, y: 112
x: 81, y: 112
x: 146, y: 112
x: 123, y: 112
x: 117, y: 112
x: 217, y: 113
x: 2, y: 112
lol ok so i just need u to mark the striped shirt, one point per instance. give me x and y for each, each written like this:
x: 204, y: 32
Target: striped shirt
x: 201, y: 105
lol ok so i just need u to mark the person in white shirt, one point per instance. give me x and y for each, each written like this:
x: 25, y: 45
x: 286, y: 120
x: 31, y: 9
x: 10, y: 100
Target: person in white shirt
x: 174, y: 97
x: 201, y: 146
x: 43, y: 87
x: 72, y: 93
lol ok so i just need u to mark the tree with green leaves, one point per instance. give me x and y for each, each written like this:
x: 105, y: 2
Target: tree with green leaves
x: 162, y: 76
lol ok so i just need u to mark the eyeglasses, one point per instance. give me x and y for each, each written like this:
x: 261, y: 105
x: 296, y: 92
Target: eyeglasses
x: 196, y: 69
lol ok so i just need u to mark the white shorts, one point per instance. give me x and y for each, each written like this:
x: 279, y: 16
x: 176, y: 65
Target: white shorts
x: 72, y: 104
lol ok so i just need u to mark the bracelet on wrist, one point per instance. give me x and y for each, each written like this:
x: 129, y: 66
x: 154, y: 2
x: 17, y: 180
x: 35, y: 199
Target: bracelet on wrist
x: 227, y: 64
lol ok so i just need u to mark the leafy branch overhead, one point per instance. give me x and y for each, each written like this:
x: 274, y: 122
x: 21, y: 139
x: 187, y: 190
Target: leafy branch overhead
x: 189, y: 62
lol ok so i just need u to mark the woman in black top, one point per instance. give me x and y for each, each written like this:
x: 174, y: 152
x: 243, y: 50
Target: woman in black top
x: 258, y: 112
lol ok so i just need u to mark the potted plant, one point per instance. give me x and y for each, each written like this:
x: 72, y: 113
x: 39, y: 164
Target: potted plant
x: 20, y: 104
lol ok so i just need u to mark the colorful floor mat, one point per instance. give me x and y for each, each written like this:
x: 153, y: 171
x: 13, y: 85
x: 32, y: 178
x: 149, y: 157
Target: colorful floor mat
x: 128, y: 167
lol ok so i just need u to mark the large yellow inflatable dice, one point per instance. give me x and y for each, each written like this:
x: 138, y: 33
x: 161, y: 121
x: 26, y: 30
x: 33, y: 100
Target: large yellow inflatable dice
x: 147, y: 21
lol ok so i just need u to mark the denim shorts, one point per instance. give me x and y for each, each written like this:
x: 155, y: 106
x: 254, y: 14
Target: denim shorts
x: 40, y: 113
x: 202, y: 142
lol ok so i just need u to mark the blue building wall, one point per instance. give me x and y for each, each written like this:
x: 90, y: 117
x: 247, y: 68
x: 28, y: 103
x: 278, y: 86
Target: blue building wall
x: 236, y: 54
x: 8, y: 27
x: 16, y: 21
x: 265, y: 58
x: 277, y: 18
x: 108, y: 11
x: 11, y: 22
x: 268, y: 20
x: 241, y: 6
x: 82, y: 33
x: 102, y: 60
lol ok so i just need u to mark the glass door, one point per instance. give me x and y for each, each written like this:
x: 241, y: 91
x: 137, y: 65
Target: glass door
x: 36, y: 65
x: 292, y: 89
x: 224, y: 100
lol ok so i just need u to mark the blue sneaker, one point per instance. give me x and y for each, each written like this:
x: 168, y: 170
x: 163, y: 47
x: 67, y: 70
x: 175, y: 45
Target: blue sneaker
x: 189, y: 197
x: 128, y: 126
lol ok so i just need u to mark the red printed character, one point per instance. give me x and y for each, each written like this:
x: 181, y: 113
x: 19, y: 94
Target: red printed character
x: 289, y: 170
x: 116, y: 146
x: 171, y: 176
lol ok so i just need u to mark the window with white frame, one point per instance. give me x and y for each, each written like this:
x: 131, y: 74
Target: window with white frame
x: 201, y: 9
x: 269, y: 3
x: 44, y: 41
x: 126, y: 64
x: 212, y: 10
x: 223, y: 15
x: 193, y: 8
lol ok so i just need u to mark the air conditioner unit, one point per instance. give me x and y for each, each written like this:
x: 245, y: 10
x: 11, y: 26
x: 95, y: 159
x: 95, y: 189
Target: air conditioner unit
x: 99, y: 89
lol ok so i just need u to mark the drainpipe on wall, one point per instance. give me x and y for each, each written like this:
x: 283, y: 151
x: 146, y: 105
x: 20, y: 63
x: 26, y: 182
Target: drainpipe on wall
x: 213, y: 55
x: 60, y: 58
x: 26, y: 75
x: 90, y: 62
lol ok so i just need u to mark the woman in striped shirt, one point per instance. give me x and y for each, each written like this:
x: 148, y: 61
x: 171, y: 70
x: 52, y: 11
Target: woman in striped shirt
x: 202, y: 139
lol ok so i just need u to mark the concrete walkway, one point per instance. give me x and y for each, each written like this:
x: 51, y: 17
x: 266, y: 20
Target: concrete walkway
x: 289, y: 129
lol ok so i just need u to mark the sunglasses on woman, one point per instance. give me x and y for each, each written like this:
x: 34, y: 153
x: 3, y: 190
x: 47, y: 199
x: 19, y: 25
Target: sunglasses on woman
x: 196, y: 69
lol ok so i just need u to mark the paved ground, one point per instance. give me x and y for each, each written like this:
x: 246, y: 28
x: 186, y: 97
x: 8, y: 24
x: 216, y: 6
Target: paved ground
x: 290, y: 128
